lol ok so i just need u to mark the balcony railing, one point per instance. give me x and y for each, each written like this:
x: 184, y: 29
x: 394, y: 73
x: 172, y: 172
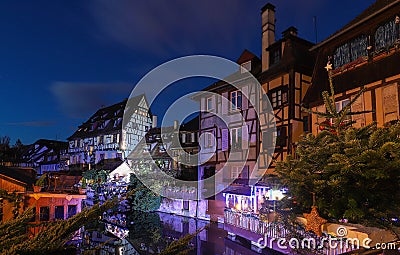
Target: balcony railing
x: 180, y: 193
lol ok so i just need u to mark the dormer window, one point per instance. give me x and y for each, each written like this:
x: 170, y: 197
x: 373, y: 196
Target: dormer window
x: 245, y: 66
x: 275, y: 56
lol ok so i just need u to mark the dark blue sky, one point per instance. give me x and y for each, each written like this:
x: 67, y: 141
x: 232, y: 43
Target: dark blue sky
x: 62, y: 60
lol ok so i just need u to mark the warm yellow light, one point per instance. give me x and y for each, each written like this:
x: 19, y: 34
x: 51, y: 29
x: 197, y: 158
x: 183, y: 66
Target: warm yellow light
x: 238, y: 207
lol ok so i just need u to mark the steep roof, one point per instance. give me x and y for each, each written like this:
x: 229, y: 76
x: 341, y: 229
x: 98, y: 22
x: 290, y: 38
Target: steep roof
x: 107, y: 119
x: 24, y: 175
x: 375, y: 8
x: 44, y: 151
x: 296, y: 54
x: 244, y: 57
x: 361, y: 71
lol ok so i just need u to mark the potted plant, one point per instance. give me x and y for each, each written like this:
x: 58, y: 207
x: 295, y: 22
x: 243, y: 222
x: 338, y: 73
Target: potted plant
x: 82, y: 188
x: 39, y: 184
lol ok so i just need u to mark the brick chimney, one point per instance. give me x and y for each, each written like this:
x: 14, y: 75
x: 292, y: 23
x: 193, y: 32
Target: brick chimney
x: 268, y: 32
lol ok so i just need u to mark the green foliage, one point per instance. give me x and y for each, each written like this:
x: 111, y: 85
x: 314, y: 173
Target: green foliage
x: 337, y: 121
x: 143, y: 199
x: 355, y: 174
x: 84, y: 184
x: 53, y: 237
x: 14, y: 198
x: 41, y: 181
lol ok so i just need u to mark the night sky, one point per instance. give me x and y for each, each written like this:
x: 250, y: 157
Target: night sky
x: 62, y: 60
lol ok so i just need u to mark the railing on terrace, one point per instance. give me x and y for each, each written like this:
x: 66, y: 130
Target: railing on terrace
x: 180, y: 193
x: 275, y: 230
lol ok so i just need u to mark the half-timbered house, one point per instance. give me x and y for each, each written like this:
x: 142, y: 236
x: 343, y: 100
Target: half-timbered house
x: 107, y: 136
x: 286, y: 76
x: 364, y: 54
x: 228, y: 130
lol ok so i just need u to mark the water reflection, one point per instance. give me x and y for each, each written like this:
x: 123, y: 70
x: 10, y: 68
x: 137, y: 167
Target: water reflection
x: 149, y: 233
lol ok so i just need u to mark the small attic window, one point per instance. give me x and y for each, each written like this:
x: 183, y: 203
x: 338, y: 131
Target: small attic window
x: 275, y: 56
x: 245, y: 66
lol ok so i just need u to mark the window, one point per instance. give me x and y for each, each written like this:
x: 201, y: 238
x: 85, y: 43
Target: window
x: 33, y: 219
x: 71, y: 210
x: 267, y: 139
x: 183, y: 138
x: 236, y: 138
x: 281, y: 136
x: 340, y: 105
x: 386, y: 35
x: 186, y: 205
x: 208, y: 141
x: 236, y: 172
x: 209, y: 103
x: 59, y: 212
x: 278, y: 97
x: 350, y: 51
x: 236, y: 100
x: 305, y: 124
x: 44, y: 213
x: 101, y: 157
x: 275, y: 56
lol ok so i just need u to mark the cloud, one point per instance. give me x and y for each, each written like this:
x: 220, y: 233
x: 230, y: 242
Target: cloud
x: 32, y: 123
x: 80, y: 100
x: 174, y: 26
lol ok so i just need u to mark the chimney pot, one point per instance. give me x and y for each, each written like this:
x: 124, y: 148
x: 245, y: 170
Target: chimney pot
x: 290, y: 31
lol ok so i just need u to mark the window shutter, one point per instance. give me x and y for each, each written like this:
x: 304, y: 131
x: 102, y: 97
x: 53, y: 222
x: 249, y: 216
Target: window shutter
x: 245, y: 137
x: 245, y: 94
x: 203, y: 106
x: 202, y: 140
x: 225, y: 102
x: 225, y: 139
x: 245, y: 172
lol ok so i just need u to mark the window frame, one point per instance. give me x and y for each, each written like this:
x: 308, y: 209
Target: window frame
x: 42, y: 215
x: 234, y: 135
x: 209, y: 104
x: 280, y: 95
x: 235, y: 99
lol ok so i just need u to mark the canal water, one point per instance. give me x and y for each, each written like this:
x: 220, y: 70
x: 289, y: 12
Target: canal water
x: 149, y: 233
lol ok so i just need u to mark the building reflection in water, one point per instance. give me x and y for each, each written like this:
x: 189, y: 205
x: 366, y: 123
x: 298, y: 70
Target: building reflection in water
x: 149, y: 233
